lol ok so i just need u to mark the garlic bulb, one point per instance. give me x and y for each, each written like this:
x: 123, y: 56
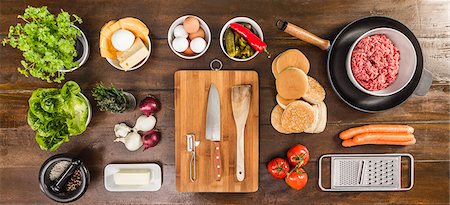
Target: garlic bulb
x: 133, y: 141
x: 121, y: 130
x: 144, y: 123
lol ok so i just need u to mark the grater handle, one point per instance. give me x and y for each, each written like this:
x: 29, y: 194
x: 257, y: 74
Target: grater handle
x: 411, y: 172
x: 320, y: 172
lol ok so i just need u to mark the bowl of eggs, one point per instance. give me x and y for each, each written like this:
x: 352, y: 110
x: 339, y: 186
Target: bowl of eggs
x: 125, y: 43
x: 189, y: 37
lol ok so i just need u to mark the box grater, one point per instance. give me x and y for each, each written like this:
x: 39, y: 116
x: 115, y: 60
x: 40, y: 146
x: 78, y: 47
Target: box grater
x: 367, y: 172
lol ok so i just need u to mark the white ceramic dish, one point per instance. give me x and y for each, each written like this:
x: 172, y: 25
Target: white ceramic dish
x: 256, y: 28
x: 408, y: 61
x: 153, y: 185
x: 89, y: 117
x: 179, y: 21
x: 115, y: 62
x: 85, y: 55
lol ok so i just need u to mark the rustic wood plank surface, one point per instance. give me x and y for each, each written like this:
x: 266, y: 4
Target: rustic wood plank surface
x: 21, y: 158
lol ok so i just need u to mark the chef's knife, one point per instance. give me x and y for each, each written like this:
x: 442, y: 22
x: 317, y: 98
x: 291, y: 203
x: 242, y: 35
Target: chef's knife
x: 213, y: 127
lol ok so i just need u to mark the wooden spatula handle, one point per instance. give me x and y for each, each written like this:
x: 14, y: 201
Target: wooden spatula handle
x: 217, y: 161
x: 240, y: 167
x: 303, y: 34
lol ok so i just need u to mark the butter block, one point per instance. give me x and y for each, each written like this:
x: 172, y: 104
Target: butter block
x: 132, y: 178
x: 134, y: 55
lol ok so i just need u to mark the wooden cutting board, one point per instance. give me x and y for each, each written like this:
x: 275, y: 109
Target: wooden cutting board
x: 191, y: 95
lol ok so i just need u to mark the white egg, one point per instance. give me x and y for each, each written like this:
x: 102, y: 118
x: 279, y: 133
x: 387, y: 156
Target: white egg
x: 122, y: 39
x: 198, y: 45
x: 180, y: 44
x: 180, y: 32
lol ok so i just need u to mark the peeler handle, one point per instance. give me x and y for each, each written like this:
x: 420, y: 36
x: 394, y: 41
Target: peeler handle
x: 192, y: 170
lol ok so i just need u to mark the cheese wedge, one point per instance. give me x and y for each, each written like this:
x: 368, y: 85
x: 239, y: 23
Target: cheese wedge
x: 132, y: 178
x: 132, y: 56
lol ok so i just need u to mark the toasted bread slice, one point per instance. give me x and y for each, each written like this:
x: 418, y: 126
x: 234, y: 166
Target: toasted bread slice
x: 275, y: 119
x: 274, y: 66
x: 314, y: 125
x: 316, y: 93
x: 283, y: 103
x: 292, y: 58
x: 322, y: 118
x: 298, y: 116
x: 292, y: 83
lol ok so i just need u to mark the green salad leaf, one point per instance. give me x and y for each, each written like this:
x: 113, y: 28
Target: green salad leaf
x: 57, y: 114
x: 47, y: 43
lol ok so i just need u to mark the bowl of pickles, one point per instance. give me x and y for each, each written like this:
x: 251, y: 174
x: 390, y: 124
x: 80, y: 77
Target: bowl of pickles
x: 234, y: 45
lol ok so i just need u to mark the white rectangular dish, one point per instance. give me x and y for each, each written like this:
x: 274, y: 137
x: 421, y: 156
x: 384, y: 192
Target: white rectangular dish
x: 153, y: 185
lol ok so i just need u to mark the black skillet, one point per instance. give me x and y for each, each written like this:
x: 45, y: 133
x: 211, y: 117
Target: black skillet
x: 337, y: 53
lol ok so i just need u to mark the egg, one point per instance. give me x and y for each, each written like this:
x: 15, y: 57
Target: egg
x: 189, y: 51
x: 180, y: 44
x: 122, y: 39
x: 191, y: 24
x: 198, y: 45
x: 180, y: 32
x: 199, y: 33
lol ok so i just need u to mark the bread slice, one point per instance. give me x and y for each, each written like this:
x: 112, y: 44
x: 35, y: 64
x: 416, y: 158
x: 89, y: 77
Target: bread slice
x: 274, y: 66
x: 315, y: 93
x: 283, y: 103
x: 314, y: 125
x: 322, y: 118
x: 292, y: 58
x: 275, y: 119
x: 292, y: 83
x: 298, y: 116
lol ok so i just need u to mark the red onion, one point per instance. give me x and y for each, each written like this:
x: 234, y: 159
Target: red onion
x: 149, y: 105
x: 151, y: 138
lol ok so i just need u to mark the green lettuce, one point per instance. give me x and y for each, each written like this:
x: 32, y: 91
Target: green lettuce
x: 57, y: 114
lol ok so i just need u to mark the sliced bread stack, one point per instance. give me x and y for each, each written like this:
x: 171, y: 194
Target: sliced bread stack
x: 300, y: 97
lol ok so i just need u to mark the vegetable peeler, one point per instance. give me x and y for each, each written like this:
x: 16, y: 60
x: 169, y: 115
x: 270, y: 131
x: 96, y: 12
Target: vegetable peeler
x: 191, y: 147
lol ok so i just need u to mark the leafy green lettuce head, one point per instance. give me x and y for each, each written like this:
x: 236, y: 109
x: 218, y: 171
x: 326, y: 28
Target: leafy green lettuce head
x: 56, y: 114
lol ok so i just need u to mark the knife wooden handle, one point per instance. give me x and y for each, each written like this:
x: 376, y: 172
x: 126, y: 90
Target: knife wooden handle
x: 240, y: 167
x: 217, y: 161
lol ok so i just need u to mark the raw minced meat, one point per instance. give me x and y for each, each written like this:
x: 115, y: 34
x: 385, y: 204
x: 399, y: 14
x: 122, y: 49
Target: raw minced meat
x: 375, y: 62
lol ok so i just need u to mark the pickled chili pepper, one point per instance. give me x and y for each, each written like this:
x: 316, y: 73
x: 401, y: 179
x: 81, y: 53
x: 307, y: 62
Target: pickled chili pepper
x: 251, y: 38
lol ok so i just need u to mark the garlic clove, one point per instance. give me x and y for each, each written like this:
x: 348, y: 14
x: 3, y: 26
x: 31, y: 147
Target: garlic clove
x: 144, y: 123
x: 121, y: 130
x: 133, y: 141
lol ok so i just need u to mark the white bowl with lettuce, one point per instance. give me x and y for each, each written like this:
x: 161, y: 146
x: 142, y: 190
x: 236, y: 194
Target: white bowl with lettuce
x: 57, y: 114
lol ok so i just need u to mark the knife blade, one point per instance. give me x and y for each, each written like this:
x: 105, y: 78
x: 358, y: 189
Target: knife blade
x: 213, y: 127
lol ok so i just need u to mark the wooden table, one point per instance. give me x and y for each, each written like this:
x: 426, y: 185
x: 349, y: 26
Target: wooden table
x: 21, y: 158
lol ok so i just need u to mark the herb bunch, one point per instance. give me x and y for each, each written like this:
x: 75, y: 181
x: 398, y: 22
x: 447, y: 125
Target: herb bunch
x: 110, y: 99
x: 47, y: 42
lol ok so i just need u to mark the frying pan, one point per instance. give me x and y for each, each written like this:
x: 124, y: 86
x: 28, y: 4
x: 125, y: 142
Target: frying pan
x: 337, y: 53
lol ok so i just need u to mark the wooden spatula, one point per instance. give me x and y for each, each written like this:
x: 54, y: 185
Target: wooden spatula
x: 240, y: 103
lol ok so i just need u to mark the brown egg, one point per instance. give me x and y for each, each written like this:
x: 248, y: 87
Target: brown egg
x: 191, y: 24
x: 200, y: 33
x: 189, y: 51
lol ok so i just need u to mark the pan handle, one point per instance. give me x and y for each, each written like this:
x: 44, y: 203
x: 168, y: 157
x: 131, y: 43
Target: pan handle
x: 424, y: 83
x: 303, y: 34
